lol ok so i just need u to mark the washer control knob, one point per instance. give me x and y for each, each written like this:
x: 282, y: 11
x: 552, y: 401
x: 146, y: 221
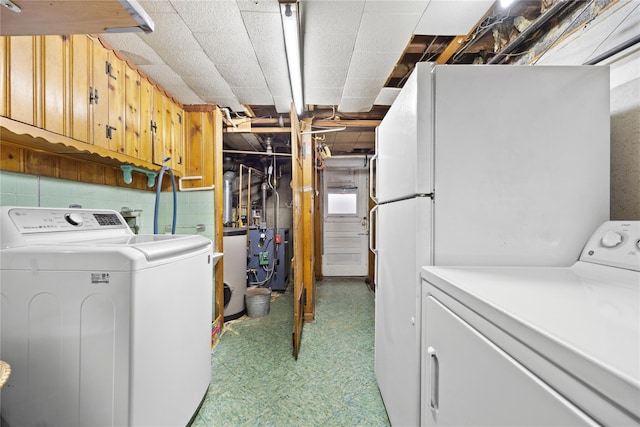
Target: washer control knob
x: 73, y: 218
x: 611, y: 239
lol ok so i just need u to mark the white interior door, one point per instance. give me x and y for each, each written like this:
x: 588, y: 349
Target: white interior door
x: 345, y: 214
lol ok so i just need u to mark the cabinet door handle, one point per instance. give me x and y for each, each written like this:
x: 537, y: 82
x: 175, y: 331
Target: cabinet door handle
x: 110, y: 130
x: 434, y: 374
x: 109, y: 70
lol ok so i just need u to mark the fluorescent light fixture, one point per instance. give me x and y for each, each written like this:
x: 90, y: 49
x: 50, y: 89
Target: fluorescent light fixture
x: 505, y: 3
x: 10, y: 5
x: 291, y: 30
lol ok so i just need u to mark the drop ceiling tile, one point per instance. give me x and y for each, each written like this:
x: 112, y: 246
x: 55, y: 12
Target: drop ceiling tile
x: 282, y: 103
x: 157, y: 6
x: 355, y: 105
x: 368, y: 88
x: 436, y: 19
x: 258, y: 6
x: 365, y: 65
x: 253, y: 95
x: 211, y: 86
x: 221, y: 16
x: 243, y: 75
x: 322, y: 95
x: 226, y: 48
x: 185, y: 61
x: 386, y: 96
x: 183, y: 93
x: 133, y: 47
x: 265, y: 31
x: 324, y: 49
x: 385, y: 32
x: 170, y: 32
x: 320, y: 16
x: 162, y: 74
x: 278, y: 84
x: 325, y: 76
x: 395, y: 6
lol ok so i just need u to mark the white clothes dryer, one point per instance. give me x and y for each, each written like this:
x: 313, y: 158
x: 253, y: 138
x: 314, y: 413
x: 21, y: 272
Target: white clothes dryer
x: 536, y: 346
x: 101, y: 326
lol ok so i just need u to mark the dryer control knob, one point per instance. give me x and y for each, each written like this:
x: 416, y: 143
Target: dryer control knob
x: 73, y: 218
x: 611, y: 239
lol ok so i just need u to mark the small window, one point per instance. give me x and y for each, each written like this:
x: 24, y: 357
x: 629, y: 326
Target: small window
x: 342, y: 202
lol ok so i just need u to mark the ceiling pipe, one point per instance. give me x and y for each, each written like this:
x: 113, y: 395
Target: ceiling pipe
x: 501, y: 56
x: 257, y: 153
x: 619, y: 48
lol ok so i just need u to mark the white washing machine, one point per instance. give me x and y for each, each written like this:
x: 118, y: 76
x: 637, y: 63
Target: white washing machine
x: 536, y: 346
x: 101, y: 326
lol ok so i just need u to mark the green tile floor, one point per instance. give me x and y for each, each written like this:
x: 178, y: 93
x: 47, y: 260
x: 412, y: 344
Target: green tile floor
x: 255, y: 380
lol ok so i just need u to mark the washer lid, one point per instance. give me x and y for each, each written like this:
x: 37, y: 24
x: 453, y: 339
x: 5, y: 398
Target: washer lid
x: 153, y: 246
x: 585, y: 318
x: 112, y: 254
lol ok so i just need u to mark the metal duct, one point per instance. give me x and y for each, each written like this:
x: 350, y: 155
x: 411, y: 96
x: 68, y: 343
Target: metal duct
x: 264, y: 202
x: 227, y: 197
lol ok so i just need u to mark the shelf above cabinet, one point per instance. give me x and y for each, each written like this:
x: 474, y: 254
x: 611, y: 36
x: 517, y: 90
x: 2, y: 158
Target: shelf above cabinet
x: 32, y: 137
x: 38, y: 17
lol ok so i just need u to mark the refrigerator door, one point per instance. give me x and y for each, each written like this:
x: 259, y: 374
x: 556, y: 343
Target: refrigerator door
x: 403, y: 245
x: 404, y: 140
x: 522, y: 163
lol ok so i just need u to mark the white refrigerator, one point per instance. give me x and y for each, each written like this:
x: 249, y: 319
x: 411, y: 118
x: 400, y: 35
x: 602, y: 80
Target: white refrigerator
x: 480, y: 165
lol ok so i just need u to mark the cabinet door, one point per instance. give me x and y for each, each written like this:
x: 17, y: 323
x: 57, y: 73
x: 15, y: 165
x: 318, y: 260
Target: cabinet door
x: 159, y: 151
x: 169, y: 124
x: 54, y: 83
x: 467, y: 380
x: 100, y: 106
x: 132, y: 121
x: 4, y: 64
x: 145, y: 151
x: 177, y: 148
x: 81, y: 89
x: 116, y: 80
x: 108, y: 110
x: 199, y: 134
x: 22, y: 79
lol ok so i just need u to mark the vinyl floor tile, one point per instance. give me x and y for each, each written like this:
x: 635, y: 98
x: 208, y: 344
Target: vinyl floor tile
x: 255, y: 380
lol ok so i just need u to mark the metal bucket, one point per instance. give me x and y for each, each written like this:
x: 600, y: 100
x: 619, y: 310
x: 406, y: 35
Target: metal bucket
x: 258, y: 301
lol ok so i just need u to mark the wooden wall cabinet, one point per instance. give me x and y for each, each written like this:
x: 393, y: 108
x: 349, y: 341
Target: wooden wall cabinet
x: 21, y: 89
x: 81, y: 88
x: 108, y: 99
x: 168, y: 128
x: 76, y: 87
x: 199, y: 147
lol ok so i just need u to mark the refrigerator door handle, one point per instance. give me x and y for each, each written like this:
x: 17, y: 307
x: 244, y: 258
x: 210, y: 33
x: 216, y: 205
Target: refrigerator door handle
x: 372, y: 187
x: 372, y: 226
x: 373, y: 220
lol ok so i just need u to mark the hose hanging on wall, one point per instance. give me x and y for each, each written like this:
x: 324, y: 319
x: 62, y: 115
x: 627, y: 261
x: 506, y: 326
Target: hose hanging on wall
x: 158, y: 191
